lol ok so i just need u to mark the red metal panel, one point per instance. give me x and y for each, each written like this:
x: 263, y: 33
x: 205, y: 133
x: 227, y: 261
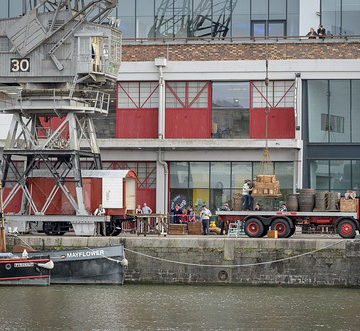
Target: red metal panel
x: 182, y: 123
x: 137, y: 123
x: 148, y: 196
x: 281, y: 123
x: 14, y: 205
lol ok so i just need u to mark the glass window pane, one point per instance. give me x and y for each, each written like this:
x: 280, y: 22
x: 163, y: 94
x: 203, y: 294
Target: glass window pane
x: 15, y: 8
x: 182, y: 18
x: 4, y: 8
x: 221, y: 18
x: 220, y: 175
x: 179, y: 196
x: 356, y: 176
x: 230, y: 94
x: 355, y: 110
x: 276, y: 29
x: 339, y: 119
x: 199, y: 198
x: 318, y: 110
x: 127, y: 26
x: 179, y: 174
x: 230, y: 123
x: 144, y: 27
x: 350, y: 17
x: 241, y: 18
x: 331, y: 16
x: 199, y: 175
x: 258, y: 29
x: 201, y: 24
x: 340, y: 175
x: 284, y: 172
x: 218, y: 197
x: 319, y: 175
x: 126, y: 8
x: 277, y: 9
x: 240, y: 172
x: 164, y: 18
x: 259, y: 9
x: 145, y: 8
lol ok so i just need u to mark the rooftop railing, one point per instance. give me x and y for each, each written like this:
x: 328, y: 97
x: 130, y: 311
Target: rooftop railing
x: 260, y: 39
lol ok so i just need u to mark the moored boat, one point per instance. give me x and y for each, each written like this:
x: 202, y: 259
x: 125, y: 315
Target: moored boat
x: 18, y: 270
x: 100, y: 265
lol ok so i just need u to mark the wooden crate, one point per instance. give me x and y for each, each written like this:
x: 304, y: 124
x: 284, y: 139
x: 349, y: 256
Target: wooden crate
x: 348, y: 205
x: 177, y: 229
x: 194, y: 228
x: 272, y: 234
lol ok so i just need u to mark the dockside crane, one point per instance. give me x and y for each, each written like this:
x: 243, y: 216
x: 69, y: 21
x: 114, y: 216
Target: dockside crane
x: 61, y: 56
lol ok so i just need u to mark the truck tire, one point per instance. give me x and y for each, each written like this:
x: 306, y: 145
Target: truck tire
x: 254, y: 228
x: 292, y: 231
x: 346, y: 229
x: 281, y: 226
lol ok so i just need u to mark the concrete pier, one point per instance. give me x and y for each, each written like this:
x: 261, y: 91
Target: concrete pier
x: 305, y: 260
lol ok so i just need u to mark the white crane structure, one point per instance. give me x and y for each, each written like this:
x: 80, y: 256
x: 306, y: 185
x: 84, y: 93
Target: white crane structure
x: 60, y: 56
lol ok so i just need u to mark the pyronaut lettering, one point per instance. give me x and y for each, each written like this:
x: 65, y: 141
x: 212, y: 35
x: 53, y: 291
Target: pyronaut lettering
x: 23, y: 265
x: 97, y: 252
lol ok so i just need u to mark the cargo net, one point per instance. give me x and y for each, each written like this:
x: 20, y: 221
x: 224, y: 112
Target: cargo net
x: 265, y: 184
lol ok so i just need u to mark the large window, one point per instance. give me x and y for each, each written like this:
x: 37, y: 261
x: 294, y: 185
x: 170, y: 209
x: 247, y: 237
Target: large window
x: 212, y: 18
x: 335, y: 175
x: 214, y: 183
x: 341, y: 17
x: 230, y: 110
x: 333, y: 111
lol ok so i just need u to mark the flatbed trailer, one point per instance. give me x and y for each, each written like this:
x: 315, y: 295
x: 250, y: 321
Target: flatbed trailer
x: 257, y: 223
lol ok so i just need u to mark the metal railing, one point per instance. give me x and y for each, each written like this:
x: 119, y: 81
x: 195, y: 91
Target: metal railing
x: 240, y: 39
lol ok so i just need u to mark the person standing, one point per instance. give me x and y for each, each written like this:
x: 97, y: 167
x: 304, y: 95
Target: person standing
x: 251, y: 199
x: 177, y: 214
x: 138, y: 210
x: 321, y: 32
x: 146, y: 209
x: 223, y: 222
x: 245, y: 195
x: 192, y: 218
x: 283, y: 207
x: 100, y: 211
x: 205, y: 215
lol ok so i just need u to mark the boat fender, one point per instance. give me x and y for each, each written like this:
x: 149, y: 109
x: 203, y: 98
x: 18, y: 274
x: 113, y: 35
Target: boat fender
x: 124, y: 262
x: 48, y: 265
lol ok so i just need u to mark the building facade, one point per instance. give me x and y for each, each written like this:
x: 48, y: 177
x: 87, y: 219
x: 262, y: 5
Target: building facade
x: 192, y: 113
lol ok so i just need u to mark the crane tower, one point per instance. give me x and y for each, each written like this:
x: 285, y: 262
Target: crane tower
x: 60, y: 55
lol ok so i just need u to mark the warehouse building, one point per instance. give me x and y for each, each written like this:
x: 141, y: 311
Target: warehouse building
x: 192, y: 115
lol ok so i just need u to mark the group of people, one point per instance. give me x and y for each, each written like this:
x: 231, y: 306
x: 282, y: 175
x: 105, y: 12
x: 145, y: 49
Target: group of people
x: 320, y: 33
x: 145, y: 209
x: 187, y: 215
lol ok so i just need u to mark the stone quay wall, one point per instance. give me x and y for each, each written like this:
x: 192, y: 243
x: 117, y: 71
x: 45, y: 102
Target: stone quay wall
x: 335, y: 265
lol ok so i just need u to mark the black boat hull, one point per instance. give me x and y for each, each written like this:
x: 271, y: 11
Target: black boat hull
x: 21, y: 271
x: 101, y: 265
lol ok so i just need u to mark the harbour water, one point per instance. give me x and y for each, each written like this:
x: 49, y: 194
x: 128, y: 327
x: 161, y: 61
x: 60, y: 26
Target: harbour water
x: 178, y: 307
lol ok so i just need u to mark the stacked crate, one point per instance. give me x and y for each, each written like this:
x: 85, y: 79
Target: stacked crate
x: 348, y: 206
x: 266, y: 185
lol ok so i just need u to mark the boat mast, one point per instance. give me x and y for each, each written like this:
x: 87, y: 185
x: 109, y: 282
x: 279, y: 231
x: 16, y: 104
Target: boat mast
x: 2, y: 227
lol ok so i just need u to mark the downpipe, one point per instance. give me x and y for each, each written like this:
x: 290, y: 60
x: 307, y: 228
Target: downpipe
x: 166, y: 174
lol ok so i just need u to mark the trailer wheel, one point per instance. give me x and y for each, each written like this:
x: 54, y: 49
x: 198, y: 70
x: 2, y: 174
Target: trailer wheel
x: 292, y: 231
x: 346, y: 229
x: 282, y: 227
x: 254, y: 228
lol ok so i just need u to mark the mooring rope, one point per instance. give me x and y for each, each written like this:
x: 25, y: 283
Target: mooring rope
x: 234, y: 265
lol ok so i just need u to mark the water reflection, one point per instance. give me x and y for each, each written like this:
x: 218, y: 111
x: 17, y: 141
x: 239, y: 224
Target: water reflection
x: 178, y: 307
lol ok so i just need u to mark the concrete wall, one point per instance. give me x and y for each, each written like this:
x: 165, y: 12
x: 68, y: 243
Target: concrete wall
x: 335, y: 265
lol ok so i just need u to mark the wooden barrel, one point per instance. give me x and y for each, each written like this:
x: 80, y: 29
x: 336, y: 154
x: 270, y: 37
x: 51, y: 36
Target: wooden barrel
x: 333, y: 201
x: 292, y: 203
x: 307, y: 199
x: 320, y: 201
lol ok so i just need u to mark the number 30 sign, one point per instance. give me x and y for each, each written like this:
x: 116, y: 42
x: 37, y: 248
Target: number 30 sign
x: 19, y: 65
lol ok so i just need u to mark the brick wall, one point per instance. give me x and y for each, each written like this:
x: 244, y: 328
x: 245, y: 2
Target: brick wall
x: 243, y: 51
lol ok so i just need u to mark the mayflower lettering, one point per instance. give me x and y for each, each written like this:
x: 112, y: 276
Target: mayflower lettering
x: 85, y: 253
